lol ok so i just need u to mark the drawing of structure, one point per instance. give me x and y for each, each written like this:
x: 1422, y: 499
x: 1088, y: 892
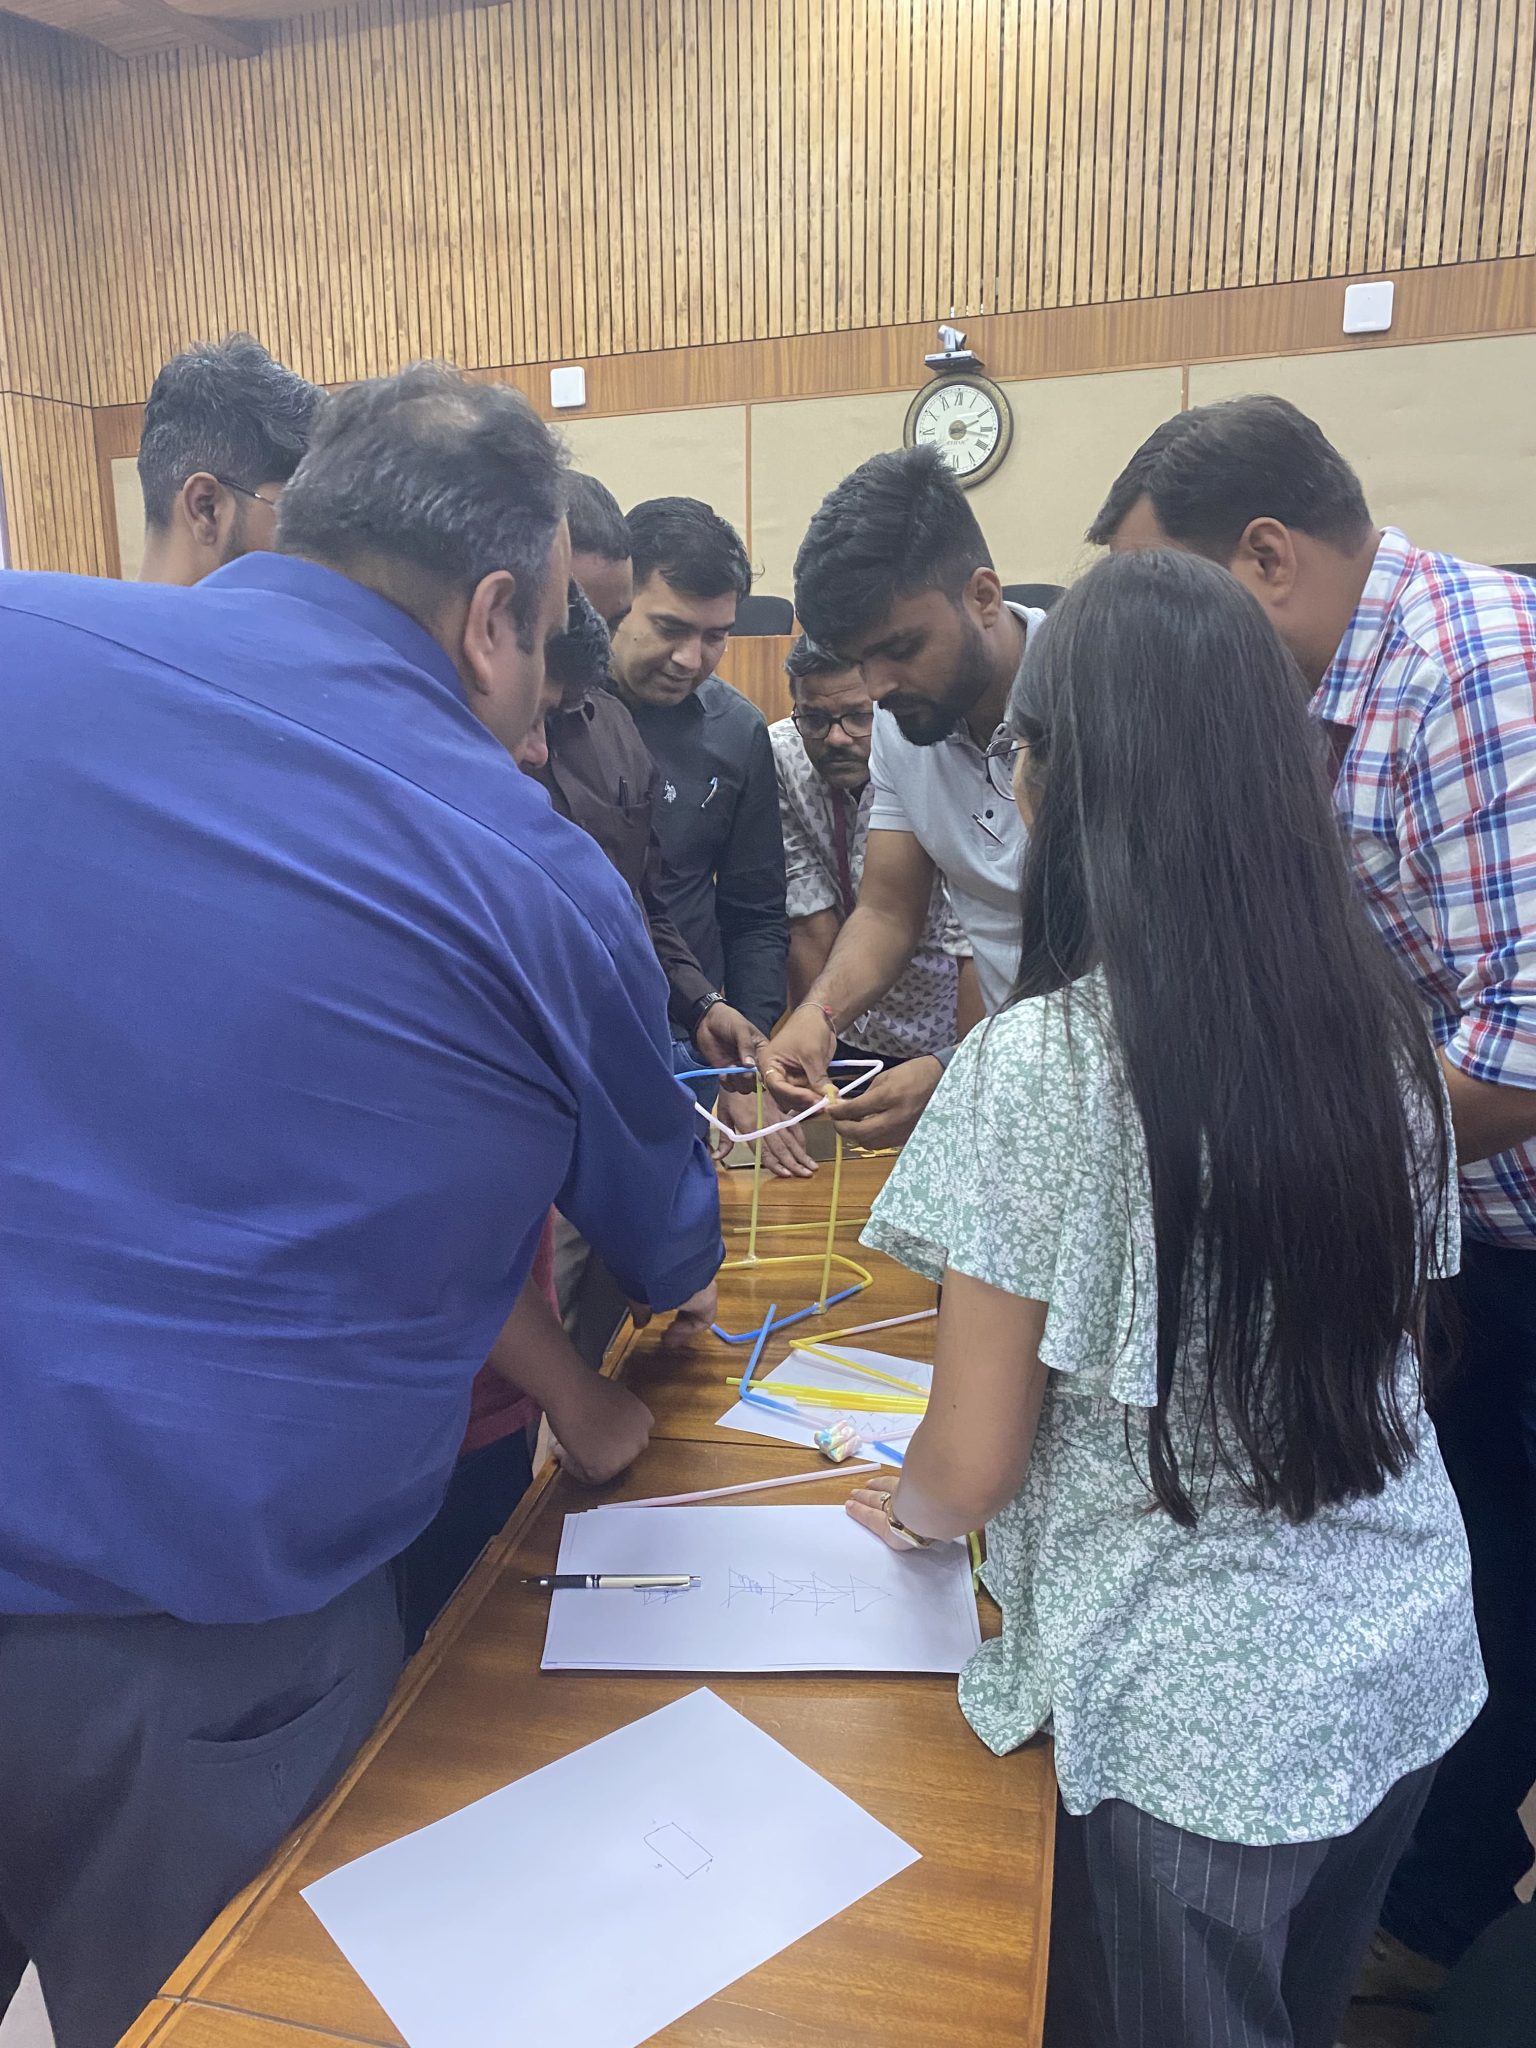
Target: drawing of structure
x: 658, y: 1596
x: 677, y: 1848
x: 814, y: 1591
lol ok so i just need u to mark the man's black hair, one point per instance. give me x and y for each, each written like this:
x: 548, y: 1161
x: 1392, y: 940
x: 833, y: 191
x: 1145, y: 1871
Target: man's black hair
x: 805, y: 658
x: 446, y: 478
x: 688, y: 545
x: 597, y: 525
x: 1213, y: 470
x: 226, y: 407
x: 898, y: 525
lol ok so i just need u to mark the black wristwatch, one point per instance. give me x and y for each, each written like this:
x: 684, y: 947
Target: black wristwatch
x: 702, y: 1008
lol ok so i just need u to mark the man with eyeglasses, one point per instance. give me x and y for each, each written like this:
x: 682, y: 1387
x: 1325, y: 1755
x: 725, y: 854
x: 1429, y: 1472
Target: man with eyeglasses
x: 821, y: 755
x: 225, y: 428
x: 895, y: 578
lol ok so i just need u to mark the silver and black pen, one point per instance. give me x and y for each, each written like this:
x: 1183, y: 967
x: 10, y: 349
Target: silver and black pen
x: 615, y: 1582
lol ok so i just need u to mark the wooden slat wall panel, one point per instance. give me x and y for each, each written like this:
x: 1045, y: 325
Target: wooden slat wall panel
x: 43, y: 345
x: 54, y: 512
x: 546, y: 178
x: 537, y: 180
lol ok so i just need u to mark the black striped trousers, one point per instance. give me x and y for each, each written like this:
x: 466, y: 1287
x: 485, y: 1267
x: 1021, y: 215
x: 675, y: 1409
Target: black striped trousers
x: 1164, y: 1939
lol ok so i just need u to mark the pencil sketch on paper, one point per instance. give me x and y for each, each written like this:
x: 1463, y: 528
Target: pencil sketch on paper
x: 814, y: 1591
x: 658, y: 1596
x: 676, y: 1847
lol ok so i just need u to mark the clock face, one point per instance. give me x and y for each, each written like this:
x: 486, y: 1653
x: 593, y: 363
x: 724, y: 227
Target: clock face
x: 968, y: 420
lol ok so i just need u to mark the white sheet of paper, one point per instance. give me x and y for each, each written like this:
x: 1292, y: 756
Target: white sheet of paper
x: 784, y: 1589
x: 801, y: 1370
x: 599, y: 1899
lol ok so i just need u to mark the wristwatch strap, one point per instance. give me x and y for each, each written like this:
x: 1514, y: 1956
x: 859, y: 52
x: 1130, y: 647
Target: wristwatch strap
x: 702, y: 1008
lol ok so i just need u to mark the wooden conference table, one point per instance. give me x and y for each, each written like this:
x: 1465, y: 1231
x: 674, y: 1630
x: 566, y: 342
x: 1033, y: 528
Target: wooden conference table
x: 950, y: 1954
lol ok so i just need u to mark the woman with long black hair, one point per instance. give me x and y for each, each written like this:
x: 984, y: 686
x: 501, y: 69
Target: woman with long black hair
x: 1187, y: 1195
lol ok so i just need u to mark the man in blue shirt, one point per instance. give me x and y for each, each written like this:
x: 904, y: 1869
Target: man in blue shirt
x: 310, y: 1006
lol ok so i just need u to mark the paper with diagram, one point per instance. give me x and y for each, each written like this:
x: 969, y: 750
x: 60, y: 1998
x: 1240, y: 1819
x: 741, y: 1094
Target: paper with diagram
x: 801, y: 1369
x: 601, y: 1898
x: 783, y: 1589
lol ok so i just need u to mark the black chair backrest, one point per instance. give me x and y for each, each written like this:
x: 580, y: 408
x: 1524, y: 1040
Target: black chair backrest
x: 1527, y: 569
x: 756, y: 616
x: 1038, y: 596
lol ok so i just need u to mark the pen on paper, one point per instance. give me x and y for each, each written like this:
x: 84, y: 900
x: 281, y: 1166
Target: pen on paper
x: 616, y: 1582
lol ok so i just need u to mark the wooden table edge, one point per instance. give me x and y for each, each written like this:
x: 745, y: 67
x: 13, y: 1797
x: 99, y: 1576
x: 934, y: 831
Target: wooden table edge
x: 151, y: 2022
x: 245, y: 1912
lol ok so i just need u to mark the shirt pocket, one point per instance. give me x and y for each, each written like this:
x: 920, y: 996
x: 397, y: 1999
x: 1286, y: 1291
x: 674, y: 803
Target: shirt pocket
x: 630, y: 837
x: 714, y: 815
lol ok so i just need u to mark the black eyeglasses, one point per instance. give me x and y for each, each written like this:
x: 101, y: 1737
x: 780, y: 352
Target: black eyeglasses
x: 816, y: 725
x: 245, y: 491
x: 1002, y: 758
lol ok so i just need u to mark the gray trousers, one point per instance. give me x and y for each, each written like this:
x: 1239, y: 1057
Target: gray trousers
x: 149, y: 1768
x: 1163, y: 1939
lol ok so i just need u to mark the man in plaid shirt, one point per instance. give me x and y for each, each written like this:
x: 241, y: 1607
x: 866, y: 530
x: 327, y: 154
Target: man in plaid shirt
x: 1424, y: 670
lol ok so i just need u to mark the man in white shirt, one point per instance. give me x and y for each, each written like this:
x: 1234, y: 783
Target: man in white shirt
x: 821, y: 755
x: 894, y: 576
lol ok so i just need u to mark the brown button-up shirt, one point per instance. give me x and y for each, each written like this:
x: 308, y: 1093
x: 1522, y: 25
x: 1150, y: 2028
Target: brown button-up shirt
x: 601, y: 776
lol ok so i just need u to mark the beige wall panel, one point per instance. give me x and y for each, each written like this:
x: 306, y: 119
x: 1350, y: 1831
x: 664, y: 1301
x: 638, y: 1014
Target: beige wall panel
x: 128, y: 504
x: 1444, y: 436
x: 800, y: 449
x: 697, y: 454
x: 1070, y: 435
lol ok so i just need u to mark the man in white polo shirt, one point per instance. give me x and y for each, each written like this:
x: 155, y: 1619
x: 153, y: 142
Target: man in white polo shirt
x: 895, y: 577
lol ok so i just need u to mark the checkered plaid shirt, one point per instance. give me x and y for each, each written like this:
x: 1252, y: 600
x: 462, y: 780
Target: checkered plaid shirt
x: 1436, y: 678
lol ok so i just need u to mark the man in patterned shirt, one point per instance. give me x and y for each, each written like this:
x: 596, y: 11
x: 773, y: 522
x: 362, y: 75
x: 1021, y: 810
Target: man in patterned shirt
x: 1424, y: 669
x: 821, y: 756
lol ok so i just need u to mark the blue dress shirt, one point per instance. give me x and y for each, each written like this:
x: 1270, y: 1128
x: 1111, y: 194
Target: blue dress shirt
x: 310, y: 1005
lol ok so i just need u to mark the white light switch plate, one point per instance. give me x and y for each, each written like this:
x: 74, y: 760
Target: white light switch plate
x: 568, y: 387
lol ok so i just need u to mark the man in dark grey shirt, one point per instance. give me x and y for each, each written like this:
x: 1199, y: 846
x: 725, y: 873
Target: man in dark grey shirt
x: 717, y: 813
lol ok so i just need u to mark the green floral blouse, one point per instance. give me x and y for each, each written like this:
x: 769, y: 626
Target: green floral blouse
x: 1249, y: 1680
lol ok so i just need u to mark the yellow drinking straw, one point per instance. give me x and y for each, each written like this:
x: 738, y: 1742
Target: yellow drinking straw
x: 861, y: 1274
x: 837, y: 1181
x: 757, y: 1179
x: 869, y: 1372
x: 831, y: 1397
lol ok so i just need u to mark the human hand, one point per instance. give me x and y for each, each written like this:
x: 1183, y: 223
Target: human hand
x: 870, y: 1507
x: 784, y: 1152
x: 793, y: 1063
x: 886, y: 1112
x: 725, y: 1038
x: 695, y: 1315
x: 599, y: 1428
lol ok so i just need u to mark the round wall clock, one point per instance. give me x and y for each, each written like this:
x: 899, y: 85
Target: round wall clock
x: 967, y: 419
